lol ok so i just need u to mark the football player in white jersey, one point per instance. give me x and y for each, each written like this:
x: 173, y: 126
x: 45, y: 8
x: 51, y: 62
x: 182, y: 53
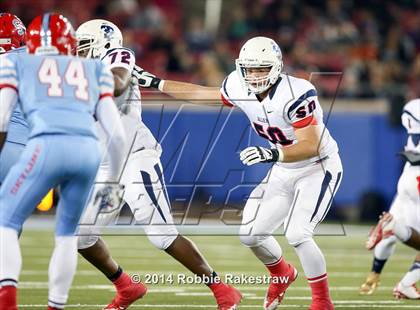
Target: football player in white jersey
x: 306, y: 172
x: 145, y: 190
x: 404, y: 214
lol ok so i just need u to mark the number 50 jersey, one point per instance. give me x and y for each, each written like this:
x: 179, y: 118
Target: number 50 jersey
x: 292, y: 103
x: 58, y: 94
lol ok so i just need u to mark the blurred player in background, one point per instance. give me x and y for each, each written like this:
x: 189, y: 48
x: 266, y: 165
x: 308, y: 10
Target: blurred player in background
x: 404, y: 213
x: 389, y: 226
x: 145, y: 190
x: 12, y: 40
x: 299, y: 189
x: 59, y: 95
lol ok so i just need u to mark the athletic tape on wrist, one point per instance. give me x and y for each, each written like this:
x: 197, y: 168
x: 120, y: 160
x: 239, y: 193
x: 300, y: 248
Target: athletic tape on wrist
x: 160, y: 86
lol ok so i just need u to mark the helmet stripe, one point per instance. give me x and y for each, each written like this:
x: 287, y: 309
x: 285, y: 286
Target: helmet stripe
x: 45, y: 30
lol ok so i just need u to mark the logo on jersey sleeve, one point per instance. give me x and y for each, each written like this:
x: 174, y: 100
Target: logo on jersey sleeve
x: 305, y: 110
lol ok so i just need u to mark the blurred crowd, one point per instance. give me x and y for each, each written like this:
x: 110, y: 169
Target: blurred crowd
x: 363, y: 49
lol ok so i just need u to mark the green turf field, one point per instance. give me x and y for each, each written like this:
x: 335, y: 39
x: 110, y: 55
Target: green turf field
x: 346, y: 258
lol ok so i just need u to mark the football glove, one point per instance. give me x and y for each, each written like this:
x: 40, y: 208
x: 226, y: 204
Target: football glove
x: 256, y: 154
x: 144, y: 78
x: 412, y: 157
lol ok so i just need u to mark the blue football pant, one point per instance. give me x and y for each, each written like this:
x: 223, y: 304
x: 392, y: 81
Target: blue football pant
x: 9, y: 156
x: 70, y: 162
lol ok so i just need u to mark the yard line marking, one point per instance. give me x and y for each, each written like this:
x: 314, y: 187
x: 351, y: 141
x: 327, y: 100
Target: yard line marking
x: 212, y: 306
x: 163, y: 288
x: 33, y: 272
x: 162, y: 306
x: 377, y: 306
x: 337, y: 302
x: 248, y: 295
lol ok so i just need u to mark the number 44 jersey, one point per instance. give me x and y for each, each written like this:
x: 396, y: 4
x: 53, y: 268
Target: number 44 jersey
x: 58, y: 94
x: 291, y: 103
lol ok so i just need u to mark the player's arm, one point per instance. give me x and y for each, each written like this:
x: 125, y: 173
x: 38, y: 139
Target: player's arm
x: 302, y: 117
x: 8, y: 100
x: 108, y: 116
x: 121, y: 62
x: 307, y: 147
x: 178, y: 90
x: 121, y: 80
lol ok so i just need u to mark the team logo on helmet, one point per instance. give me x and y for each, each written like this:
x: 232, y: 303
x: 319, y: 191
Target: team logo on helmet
x: 107, y: 30
x: 276, y: 48
x: 19, y: 27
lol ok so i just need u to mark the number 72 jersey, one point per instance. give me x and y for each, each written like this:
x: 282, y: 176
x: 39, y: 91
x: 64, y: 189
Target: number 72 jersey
x: 57, y: 94
x: 291, y: 103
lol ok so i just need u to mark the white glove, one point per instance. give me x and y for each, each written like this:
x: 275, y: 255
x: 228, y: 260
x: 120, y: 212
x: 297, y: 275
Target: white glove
x: 109, y: 197
x: 144, y: 78
x: 256, y: 154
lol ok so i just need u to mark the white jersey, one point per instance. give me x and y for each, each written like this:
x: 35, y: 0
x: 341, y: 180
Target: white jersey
x: 411, y: 121
x: 291, y: 103
x: 138, y: 135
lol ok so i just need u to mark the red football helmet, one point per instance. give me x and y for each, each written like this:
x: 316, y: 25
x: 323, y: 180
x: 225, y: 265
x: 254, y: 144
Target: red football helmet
x: 12, y: 32
x: 51, y: 34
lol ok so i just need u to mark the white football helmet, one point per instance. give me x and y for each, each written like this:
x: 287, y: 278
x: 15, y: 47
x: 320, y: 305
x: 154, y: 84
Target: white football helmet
x: 96, y: 36
x: 259, y: 52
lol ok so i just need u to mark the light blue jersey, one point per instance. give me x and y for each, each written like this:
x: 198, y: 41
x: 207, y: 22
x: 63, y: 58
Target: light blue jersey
x: 18, y: 130
x: 58, y: 96
x: 17, y: 135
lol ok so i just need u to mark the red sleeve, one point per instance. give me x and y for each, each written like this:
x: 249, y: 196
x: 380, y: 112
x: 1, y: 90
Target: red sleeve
x: 225, y: 101
x: 309, y: 120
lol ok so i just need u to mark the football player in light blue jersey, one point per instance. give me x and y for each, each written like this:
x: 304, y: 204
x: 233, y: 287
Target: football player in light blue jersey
x: 60, y: 96
x: 12, y: 40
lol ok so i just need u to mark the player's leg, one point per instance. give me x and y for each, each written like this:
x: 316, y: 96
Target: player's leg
x: 382, y: 252
x: 390, y: 226
x: 406, y: 288
x: 79, y: 175
x: 148, y: 199
x: 403, y: 209
x: 410, y: 187
x: 25, y: 185
x: 93, y: 248
x: 414, y: 238
x: 315, y: 189
x: 9, y: 155
x: 264, y: 212
x: 90, y: 245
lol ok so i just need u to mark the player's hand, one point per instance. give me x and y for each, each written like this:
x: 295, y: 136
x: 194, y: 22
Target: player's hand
x: 144, y: 78
x: 256, y: 154
x: 109, y: 196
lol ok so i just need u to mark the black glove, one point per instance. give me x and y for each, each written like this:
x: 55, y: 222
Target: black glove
x: 144, y: 78
x: 412, y: 157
